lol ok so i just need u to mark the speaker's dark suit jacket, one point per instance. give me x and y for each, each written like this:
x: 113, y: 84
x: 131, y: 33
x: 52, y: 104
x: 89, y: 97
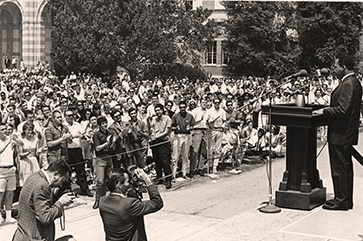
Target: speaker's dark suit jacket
x: 123, y: 217
x: 37, y: 211
x: 344, y: 112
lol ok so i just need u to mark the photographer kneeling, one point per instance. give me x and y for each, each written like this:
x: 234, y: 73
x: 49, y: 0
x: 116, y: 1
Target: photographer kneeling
x: 122, y: 215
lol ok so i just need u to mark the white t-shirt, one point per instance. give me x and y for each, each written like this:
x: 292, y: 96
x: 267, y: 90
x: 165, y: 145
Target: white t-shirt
x: 6, y: 157
x: 75, y: 129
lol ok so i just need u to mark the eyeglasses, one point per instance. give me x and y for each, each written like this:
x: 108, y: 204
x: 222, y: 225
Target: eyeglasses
x: 117, y: 116
x: 69, y: 115
x: 40, y: 119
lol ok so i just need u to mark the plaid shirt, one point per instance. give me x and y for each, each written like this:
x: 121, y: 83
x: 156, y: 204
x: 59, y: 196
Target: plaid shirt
x: 60, y: 151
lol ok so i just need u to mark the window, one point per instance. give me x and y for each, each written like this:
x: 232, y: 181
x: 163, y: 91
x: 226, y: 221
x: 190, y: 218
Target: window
x: 211, y: 55
x: 225, y: 55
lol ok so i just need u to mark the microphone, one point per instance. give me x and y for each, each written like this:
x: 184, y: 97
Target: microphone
x: 302, y: 72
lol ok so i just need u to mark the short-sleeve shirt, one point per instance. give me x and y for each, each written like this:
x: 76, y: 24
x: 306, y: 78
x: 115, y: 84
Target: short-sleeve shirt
x: 159, y: 126
x: 183, y: 123
x: 217, y: 117
x: 52, y: 133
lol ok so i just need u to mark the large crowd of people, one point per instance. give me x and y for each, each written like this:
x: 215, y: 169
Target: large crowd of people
x: 186, y: 127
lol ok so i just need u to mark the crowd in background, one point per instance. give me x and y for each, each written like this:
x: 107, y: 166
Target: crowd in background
x: 185, y: 127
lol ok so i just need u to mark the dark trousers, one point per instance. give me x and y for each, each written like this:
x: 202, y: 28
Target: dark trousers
x: 342, y: 173
x: 162, y: 157
x: 103, y: 166
x: 118, y: 159
x: 75, y: 156
x: 138, y: 158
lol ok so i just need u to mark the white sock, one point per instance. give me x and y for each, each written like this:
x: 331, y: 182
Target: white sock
x: 8, y: 214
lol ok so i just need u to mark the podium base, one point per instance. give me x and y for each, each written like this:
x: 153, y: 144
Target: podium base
x: 299, y: 200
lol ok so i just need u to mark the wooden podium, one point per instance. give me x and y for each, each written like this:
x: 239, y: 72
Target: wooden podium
x: 301, y: 186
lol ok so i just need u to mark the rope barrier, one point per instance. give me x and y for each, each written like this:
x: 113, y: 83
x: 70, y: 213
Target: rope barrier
x: 151, y: 146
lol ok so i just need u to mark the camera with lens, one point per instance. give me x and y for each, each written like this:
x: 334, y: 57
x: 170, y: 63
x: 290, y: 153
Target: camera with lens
x: 66, y: 188
x: 136, y: 182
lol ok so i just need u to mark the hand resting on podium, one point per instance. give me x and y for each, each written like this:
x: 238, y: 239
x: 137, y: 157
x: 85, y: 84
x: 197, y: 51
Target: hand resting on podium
x: 319, y: 111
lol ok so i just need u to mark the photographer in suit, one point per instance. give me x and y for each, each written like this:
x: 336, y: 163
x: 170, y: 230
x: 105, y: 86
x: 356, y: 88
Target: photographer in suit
x: 123, y: 216
x: 38, y: 207
x: 343, y: 124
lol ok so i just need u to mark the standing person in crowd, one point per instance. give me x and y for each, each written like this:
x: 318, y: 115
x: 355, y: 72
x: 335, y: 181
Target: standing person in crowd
x: 215, y: 119
x: 123, y: 216
x: 87, y: 144
x: 136, y: 138
x: 38, y: 207
x: 80, y: 112
x: 14, y: 121
x: 14, y: 62
x: 198, y: 135
x: 232, y: 136
x: 7, y: 62
x: 30, y: 117
x: 160, y: 145
x: 117, y: 130
x: 7, y: 173
x: 151, y: 108
x: 28, y: 153
x: 181, y: 124
x: 47, y: 115
x: 57, y: 136
x: 141, y: 111
x: 169, y: 108
x: 343, y: 124
x: 75, y: 156
x: 103, y: 142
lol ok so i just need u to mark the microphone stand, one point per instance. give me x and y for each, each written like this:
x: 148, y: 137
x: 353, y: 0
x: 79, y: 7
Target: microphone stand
x: 270, y: 207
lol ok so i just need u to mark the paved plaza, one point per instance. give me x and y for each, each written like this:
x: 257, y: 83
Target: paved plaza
x: 226, y: 209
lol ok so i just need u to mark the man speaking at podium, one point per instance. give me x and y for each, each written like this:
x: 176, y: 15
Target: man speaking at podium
x: 343, y: 124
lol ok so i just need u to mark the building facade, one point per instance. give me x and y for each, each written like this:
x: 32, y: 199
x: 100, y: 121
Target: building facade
x: 25, y: 31
x: 216, y: 57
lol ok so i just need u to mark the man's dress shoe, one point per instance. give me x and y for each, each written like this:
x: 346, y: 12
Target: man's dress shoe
x: 96, y: 204
x: 331, y: 202
x: 335, y: 206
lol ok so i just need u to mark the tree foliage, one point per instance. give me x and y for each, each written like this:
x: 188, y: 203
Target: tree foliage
x: 257, y: 38
x: 326, y: 29
x: 309, y: 35
x: 99, y: 35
